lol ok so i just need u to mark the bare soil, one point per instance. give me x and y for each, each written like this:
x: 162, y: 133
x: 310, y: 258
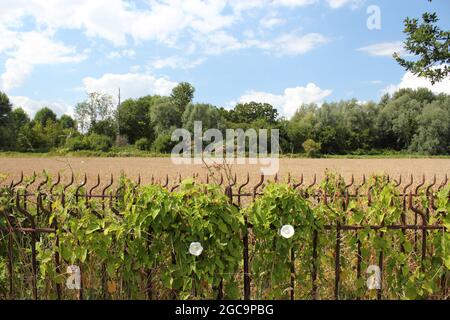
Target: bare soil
x: 158, y: 168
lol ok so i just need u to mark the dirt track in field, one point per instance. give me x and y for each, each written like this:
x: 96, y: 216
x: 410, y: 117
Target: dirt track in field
x: 159, y: 167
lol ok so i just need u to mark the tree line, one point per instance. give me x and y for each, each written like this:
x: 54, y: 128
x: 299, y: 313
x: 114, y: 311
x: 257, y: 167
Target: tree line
x: 416, y: 121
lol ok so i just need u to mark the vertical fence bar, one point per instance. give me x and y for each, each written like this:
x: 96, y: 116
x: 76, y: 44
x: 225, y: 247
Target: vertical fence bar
x: 292, y: 274
x: 380, y: 265
x: 314, y: 265
x: 149, y: 274
x: 337, y: 262
x: 11, y: 263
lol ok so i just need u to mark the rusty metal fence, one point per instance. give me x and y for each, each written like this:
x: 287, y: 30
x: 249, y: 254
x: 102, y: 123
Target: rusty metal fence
x: 26, y: 192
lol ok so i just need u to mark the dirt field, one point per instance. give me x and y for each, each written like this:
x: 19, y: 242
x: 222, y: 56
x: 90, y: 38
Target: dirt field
x: 159, y: 167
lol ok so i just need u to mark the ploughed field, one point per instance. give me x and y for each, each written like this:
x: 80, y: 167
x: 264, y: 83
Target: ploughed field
x: 158, y: 168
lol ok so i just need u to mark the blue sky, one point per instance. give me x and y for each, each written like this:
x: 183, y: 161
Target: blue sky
x: 285, y: 52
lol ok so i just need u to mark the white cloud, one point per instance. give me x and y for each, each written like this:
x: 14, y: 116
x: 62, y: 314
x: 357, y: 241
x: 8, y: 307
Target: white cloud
x: 175, y: 62
x: 384, y: 49
x: 116, y: 20
x: 270, y: 22
x: 290, y: 100
x: 32, y: 106
x: 409, y: 80
x: 34, y: 48
x: 291, y: 44
x: 335, y: 4
x: 127, y: 53
x: 217, y: 43
x: 132, y: 85
x: 240, y: 6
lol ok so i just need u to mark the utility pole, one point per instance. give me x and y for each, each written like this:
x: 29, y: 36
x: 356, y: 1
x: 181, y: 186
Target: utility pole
x: 118, y: 106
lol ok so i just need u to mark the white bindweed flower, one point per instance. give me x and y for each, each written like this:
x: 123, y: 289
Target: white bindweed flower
x: 195, y: 249
x: 287, y: 231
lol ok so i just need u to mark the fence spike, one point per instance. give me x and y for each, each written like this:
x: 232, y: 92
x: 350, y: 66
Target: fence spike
x: 42, y: 183
x: 167, y: 182
x: 420, y: 185
x: 13, y: 185
x: 431, y: 185
x: 351, y: 183
x: 314, y: 181
x: 399, y: 182
x: 58, y: 180
x: 411, y: 181
x: 261, y: 181
x: 442, y: 185
x: 108, y: 186
x: 67, y: 186
x: 300, y: 183
x: 94, y: 187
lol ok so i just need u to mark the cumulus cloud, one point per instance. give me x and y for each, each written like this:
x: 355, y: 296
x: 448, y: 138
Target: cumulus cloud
x: 132, y: 85
x: 175, y: 62
x: 270, y: 22
x: 31, y: 106
x: 34, y: 48
x: 384, y: 49
x: 160, y: 20
x: 203, y: 23
x: 335, y: 4
x: 241, y: 6
x: 291, y: 44
x: 411, y: 81
x: 127, y: 53
x: 290, y: 100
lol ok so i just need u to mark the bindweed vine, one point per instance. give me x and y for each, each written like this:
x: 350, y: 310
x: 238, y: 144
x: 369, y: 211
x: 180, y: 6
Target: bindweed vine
x: 149, y: 242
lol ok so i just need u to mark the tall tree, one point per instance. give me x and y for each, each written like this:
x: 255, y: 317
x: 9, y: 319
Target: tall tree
x: 67, y: 122
x: 133, y: 117
x: 208, y: 114
x: 182, y: 95
x: 430, y: 45
x: 252, y: 111
x: 44, y: 115
x: 97, y: 106
x: 5, y: 108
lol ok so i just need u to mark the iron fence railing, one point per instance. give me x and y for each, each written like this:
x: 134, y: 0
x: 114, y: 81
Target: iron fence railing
x: 30, y: 192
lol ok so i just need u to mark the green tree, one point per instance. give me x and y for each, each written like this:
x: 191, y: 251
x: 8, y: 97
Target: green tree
x: 429, y: 44
x: 433, y: 133
x: 67, y: 122
x: 208, y: 114
x: 5, y: 108
x: 163, y: 143
x: 182, y: 95
x: 312, y: 148
x: 19, y: 118
x: 97, y: 107
x: 133, y: 117
x: 301, y: 126
x: 165, y: 116
x: 143, y: 144
x: 107, y: 127
x: 252, y: 111
x: 44, y: 115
